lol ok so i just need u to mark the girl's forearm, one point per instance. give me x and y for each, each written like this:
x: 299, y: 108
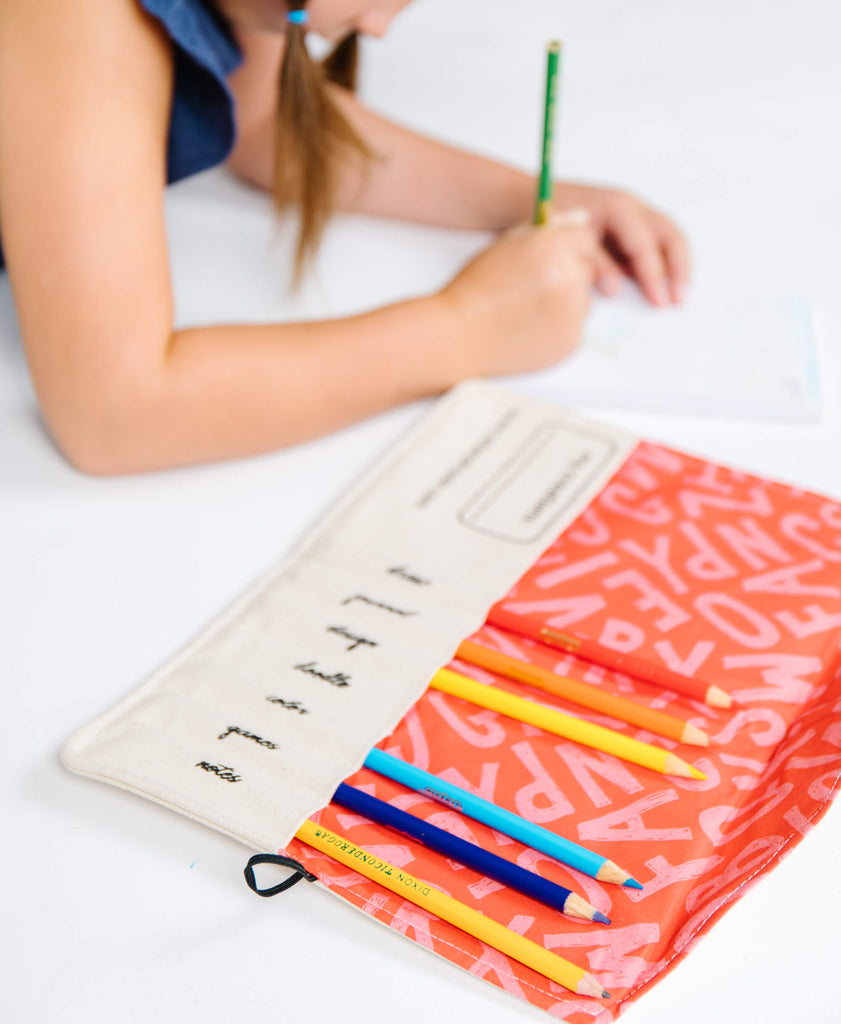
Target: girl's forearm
x: 228, y: 391
x: 412, y: 177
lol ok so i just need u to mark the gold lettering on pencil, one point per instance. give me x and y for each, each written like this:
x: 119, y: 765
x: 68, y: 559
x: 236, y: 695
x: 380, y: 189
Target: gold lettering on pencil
x: 562, y: 640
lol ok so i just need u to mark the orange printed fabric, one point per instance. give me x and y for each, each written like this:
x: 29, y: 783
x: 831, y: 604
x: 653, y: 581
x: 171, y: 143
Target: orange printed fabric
x: 715, y: 574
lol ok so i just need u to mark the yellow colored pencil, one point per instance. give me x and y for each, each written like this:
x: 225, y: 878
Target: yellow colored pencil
x: 550, y: 965
x: 572, y: 728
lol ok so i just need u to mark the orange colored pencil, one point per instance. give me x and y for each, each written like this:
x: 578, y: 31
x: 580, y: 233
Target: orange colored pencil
x: 609, y: 658
x: 582, y: 693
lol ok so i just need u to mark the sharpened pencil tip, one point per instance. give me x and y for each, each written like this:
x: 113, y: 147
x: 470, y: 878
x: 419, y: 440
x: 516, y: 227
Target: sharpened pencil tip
x: 598, y: 916
x: 697, y: 737
x: 605, y: 994
x: 632, y: 883
x: 674, y: 765
x: 718, y: 698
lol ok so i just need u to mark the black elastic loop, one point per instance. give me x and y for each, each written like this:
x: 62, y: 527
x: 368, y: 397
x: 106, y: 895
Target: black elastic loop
x: 285, y: 862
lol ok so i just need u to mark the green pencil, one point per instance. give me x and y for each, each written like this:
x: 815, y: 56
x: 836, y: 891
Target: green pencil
x: 543, y: 207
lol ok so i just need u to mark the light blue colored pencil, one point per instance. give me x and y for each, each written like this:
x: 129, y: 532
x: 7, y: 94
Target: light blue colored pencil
x: 510, y: 824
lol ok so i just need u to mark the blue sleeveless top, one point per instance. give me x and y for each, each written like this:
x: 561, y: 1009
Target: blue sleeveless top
x: 201, y: 127
x: 201, y: 124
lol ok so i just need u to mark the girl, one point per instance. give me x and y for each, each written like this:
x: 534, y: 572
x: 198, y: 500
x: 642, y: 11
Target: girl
x: 104, y: 101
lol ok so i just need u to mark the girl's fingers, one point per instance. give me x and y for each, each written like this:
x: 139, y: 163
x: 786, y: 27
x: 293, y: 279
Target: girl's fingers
x: 675, y: 255
x: 609, y: 274
x: 577, y: 216
x: 634, y: 236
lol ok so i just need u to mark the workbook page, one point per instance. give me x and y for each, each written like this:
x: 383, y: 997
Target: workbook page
x: 714, y: 354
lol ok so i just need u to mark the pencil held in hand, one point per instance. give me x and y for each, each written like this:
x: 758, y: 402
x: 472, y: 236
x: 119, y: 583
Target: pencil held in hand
x: 545, y: 184
x: 550, y: 965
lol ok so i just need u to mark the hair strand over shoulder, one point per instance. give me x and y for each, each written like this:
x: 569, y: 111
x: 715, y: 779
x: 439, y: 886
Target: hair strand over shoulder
x: 311, y: 132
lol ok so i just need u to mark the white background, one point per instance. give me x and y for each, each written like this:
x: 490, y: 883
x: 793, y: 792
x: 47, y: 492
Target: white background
x: 723, y: 113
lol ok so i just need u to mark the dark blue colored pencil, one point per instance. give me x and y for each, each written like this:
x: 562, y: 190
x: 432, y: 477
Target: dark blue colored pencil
x: 469, y: 854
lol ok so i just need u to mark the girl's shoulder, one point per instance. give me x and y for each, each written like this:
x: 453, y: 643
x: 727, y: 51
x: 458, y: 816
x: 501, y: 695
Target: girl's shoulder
x: 202, y: 124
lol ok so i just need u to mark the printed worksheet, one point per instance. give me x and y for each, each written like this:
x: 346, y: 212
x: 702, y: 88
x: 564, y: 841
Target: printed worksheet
x: 752, y: 358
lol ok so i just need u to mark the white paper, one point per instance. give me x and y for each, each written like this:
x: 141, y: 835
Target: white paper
x: 713, y: 354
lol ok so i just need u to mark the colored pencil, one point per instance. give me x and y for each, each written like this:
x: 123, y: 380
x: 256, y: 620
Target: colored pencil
x: 607, y: 657
x: 582, y: 693
x: 545, y: 185
x: 590, y: 735
x: 535, y: 836
x: 469, y: 854
x: 550, y: 965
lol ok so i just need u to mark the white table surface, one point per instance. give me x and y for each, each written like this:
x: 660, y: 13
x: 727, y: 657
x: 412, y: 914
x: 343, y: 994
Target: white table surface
x: 724, y: 114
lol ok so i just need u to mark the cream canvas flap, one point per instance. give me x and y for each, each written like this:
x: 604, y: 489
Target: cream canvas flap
x: 252, y: 726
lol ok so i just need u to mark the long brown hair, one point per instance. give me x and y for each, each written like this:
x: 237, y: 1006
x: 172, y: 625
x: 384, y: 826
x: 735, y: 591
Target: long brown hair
x: 311, y: 131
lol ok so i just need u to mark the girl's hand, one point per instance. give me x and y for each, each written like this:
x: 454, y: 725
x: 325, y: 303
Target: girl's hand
x: 636, y: 241
x: 520, y: 304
